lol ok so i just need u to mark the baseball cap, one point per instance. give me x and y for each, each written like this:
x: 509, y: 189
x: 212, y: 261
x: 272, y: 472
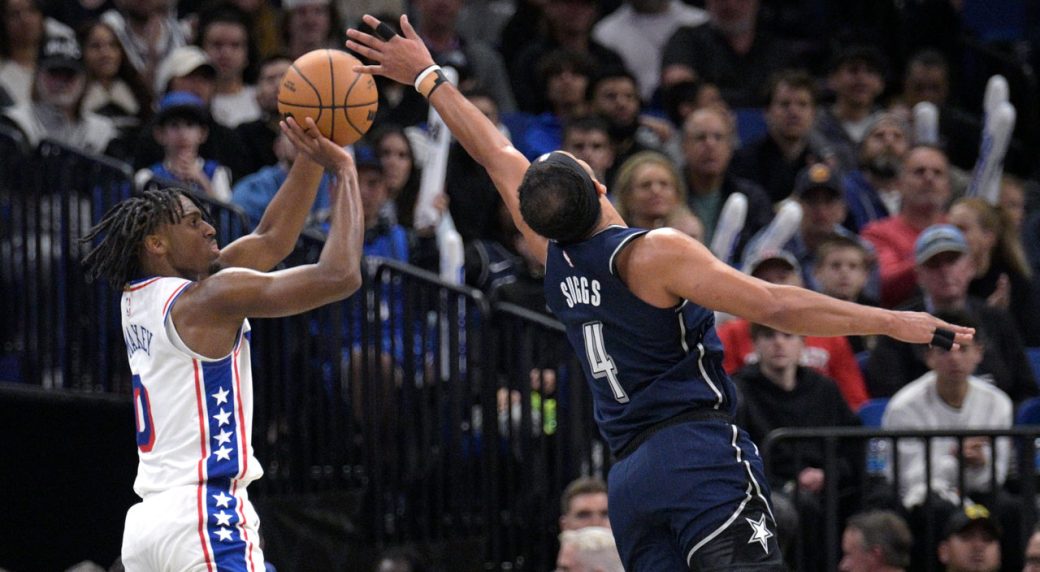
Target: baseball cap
x: 782, y: 256
x: 365, y: 157
x: 60, y: 52
x: 818, y: 176
x: 937, y: 239
x: 968, y: 516
x: 181, y: 62
x: 182, y: 105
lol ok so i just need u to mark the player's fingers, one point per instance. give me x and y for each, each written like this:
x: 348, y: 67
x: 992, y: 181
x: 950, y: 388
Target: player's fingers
x: 364, y: 50
x: 406, y: 27
x: 369, y: 69
x: 362, y: 38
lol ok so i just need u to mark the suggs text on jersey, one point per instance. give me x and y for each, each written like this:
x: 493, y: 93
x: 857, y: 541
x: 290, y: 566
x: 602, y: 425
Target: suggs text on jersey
x: 578, y: 290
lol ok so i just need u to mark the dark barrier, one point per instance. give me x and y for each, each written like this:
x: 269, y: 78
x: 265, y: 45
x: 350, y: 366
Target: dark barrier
x: 862, y: 468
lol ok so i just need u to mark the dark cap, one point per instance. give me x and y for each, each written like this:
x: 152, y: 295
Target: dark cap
x: 182, y: 105
x: 969, y: 516
x: 781, y: 256
x: 60, y: 52
x: 818, y: 176
x: 365, y: 157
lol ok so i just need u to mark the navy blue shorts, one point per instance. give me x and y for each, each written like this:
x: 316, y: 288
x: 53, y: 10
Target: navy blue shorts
x: 684, y: 491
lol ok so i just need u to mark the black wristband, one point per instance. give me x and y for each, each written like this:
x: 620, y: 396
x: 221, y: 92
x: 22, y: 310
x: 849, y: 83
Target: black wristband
x: 385, y: 32
x: 942, y: 339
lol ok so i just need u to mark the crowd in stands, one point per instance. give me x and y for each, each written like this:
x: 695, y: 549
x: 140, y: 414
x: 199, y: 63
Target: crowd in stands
x: 677, y: 106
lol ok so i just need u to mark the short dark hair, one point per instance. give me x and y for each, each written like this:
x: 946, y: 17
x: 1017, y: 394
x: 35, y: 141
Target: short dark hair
x: 793, y: 78
x: 554, y: 202
x: 580, y: 486
x: 929, y: 58
x: 560, y: 60
x: 585, y: 123
x: 868, y: 54
x: 887, y: 531
x: 837, y: 242
x: 609, y: 73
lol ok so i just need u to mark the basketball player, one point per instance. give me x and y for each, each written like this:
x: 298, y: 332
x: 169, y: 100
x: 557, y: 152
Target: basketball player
x: 687, y: 491
x: 184, y: 309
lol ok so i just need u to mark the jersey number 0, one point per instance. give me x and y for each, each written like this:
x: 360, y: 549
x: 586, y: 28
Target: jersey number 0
x: 600, y: 363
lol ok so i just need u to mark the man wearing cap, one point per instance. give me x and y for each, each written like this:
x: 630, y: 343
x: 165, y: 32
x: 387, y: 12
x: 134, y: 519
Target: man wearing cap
x: 971, y: 541
x: 943, y: 270
x: 924, y: 187
x: 872, y: 191
x: 54, y: 111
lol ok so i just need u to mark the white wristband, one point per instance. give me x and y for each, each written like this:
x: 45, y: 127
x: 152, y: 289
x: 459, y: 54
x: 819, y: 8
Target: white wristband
x: 424, y: 74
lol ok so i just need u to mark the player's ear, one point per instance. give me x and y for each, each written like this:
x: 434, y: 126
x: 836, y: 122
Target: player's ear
x: 155, y: 244
x: 601, y: 189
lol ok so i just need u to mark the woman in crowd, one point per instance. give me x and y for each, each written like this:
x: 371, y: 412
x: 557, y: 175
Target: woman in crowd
x: 114, y: 88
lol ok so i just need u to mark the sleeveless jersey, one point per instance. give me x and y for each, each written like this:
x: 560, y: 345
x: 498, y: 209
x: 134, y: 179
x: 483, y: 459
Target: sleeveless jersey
x: 644, y: 364
x: 193, y: 414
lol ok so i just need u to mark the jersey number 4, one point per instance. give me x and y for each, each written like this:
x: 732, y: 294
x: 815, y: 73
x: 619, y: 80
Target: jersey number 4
x: 600, y: 363
x: 143, y: 416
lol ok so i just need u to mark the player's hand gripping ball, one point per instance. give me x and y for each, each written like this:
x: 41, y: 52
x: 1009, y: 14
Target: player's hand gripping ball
x: 323, y: 85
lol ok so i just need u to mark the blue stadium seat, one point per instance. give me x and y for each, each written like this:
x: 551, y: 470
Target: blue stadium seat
x: 1034, y: 360
x: 870, y: 413
x: 1028, y: 412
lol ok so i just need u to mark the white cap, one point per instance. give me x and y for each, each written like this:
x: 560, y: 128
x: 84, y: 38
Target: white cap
x: 179, y: 63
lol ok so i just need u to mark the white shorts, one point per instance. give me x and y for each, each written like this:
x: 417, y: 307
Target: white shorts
x: 204, y: 528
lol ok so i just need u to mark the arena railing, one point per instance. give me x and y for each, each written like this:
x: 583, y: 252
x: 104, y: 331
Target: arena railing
x: 874, y: 483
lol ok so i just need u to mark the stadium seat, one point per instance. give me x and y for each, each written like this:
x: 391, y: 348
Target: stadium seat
x: 751, y: 123
x: 870, y: 413
x: 1034, y: 360
x: 1028, y: 412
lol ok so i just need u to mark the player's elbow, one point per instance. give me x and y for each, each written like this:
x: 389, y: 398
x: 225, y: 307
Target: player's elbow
x: 345, y: 283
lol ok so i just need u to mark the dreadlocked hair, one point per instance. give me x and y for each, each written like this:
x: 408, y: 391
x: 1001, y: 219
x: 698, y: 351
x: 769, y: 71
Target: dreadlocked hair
x: 122, y: 230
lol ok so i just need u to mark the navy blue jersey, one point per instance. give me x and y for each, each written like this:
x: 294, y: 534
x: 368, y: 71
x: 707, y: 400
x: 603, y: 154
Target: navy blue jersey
x: 644, y: 364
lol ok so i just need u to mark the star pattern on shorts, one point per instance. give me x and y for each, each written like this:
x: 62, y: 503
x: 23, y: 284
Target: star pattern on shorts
x: 222, y: 417
x: 222, y: 500
x: 224, y: 437
x: 223, y: 454
x: 221, y: 396
x: 223, y: 518
x: 224, y: 534
x: 760, y: 532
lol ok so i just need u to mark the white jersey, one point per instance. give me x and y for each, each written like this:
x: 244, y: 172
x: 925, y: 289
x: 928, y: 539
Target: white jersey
x: 194, y: 414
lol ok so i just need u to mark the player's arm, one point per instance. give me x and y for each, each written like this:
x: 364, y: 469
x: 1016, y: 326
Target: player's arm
x: 684, y: 268
x: 402, y: 59
x: 275, y: 236
x: 209, y: 313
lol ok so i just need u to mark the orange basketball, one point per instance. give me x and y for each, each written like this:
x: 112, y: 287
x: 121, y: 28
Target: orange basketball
x: 323, y: 85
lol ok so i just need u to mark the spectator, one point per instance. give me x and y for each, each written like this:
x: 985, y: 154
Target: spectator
x: 262, y: 20
x: 731, y: 51
x: 1032, y: 557
x: 258, y: 136
x: 55, y: 111
x: 224, y: 36
x: 472, y: 199
x: 1013, y: 201
x: 114, y: 88
x: 875, y: 541
x: 310, y: 25
x: 565, y: 76
x: 872, y: 190
x: 568, y: 27
x: 1002, y: 273
x: 590, y: 549
x: 22, y: 35
x: 830, y: 356
x: 614, y: 96
x: 254, y: 192
x: 588, y: 138
x: 788, y: 147
x: 648, y: 191
x: 842, y: 268
x: 478, y: 64
x: 149, y: 32
x: 971, y: 541
x: 708, y: 140
x: 857, y: 79
x: 924, y: 185
x: 584, y: 503
x: 949, y: 396
x: 180, y: 127
x: 943, y: 270
x: 638, y: 31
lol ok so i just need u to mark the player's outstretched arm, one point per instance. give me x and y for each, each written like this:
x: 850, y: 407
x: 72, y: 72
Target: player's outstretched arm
x: 402, y: 59
x: 275, y: 236
x: 209, y: 313
x: 686, y: 269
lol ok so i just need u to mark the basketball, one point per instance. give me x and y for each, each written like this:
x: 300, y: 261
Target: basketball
x: 323, y: 85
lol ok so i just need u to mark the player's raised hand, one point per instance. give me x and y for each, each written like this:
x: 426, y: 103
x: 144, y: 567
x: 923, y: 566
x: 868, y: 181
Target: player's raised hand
x: 923, y: 328
x: 399, y: 58
x: 308, y: 140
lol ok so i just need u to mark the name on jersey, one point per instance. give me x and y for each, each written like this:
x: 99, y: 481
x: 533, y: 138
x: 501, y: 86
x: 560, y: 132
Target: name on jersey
x: 138, y: 338
x: 577, y: 290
